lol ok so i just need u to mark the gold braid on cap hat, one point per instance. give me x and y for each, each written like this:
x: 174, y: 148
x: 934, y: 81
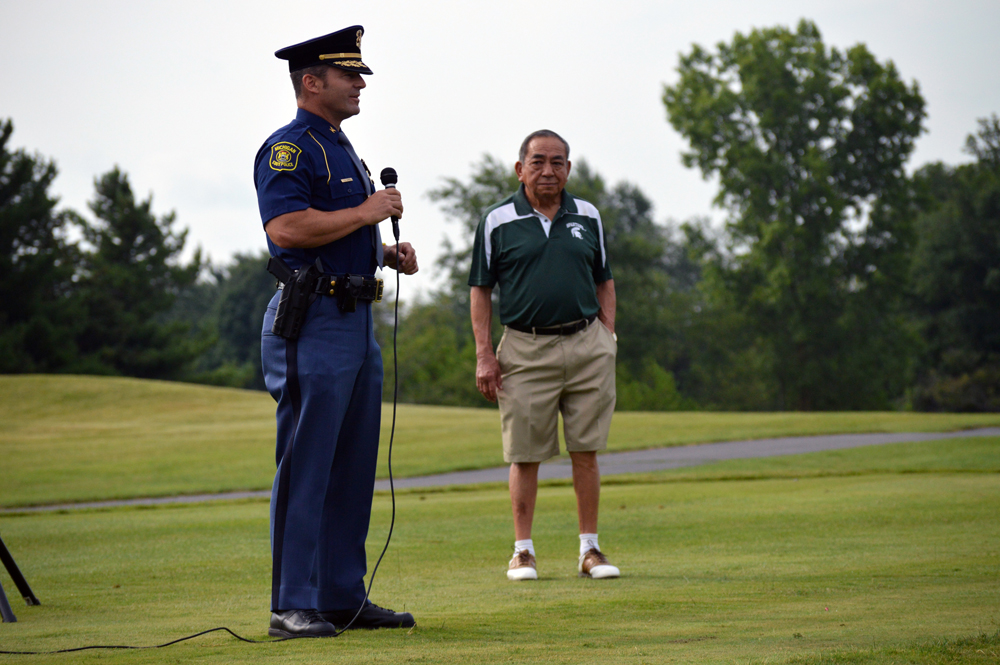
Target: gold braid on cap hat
x: 335, y: 56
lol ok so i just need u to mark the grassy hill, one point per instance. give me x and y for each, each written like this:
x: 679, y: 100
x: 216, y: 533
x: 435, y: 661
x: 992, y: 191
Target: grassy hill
x: 78, y: 438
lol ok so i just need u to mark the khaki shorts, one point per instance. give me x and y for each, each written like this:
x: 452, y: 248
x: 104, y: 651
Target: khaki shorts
x: 544, y: 375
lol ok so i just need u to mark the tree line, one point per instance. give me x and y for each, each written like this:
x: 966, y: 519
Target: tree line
x: 837, y: 280
x: 84, y: 297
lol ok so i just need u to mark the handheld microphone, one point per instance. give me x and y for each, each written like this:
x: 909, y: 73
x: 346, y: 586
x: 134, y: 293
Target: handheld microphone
x: 389, y: 179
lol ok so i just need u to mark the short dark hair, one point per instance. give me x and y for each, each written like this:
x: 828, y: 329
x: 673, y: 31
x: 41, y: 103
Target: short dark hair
x: 540, y: 134
x: 319, y: 71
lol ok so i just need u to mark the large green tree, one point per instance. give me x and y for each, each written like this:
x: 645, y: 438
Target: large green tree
x: 808, y: 144
x: 37, y: 265
x: 132, y: 273
x: 956, y: 279
x: 652, y: 278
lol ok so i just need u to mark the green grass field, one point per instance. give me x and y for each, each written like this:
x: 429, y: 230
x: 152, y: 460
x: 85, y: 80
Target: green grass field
x: 888, y: 554
x: 69, y: 438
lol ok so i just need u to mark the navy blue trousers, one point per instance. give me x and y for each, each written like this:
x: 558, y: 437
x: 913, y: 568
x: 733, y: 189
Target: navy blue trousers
x: 328, y: 386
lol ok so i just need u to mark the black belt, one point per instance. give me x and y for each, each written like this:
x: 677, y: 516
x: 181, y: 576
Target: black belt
x: 561, y: 329
x: 363, y: 288
x: 367, y: 289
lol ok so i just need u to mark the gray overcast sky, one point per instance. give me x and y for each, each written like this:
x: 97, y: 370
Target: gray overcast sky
x: 181, y: 94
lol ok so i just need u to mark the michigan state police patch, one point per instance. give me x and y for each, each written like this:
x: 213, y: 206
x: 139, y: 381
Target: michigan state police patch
x: 285, y: 156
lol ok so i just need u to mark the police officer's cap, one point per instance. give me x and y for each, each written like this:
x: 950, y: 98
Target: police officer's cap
x: 341, y: 49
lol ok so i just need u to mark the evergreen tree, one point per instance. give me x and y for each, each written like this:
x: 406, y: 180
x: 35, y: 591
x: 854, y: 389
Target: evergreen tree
x: 38, y: 317
x: 132, y: 274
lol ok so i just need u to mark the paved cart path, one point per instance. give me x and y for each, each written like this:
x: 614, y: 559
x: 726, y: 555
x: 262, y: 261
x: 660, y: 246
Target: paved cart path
x: 637, y: 461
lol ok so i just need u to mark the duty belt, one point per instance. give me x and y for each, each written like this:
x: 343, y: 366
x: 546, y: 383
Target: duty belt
x: 368, y: 289
x: 561, y: 329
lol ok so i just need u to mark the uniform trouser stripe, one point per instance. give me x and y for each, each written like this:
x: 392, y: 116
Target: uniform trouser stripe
x: 284, y: 476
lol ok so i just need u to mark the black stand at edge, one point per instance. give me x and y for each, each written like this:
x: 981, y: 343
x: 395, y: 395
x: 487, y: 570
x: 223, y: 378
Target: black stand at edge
x: 19, y: 582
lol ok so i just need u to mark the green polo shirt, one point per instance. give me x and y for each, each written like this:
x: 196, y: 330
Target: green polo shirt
x: 547, y: 271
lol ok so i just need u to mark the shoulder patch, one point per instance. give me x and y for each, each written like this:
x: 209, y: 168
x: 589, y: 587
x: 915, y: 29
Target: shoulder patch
x: 285, y: 156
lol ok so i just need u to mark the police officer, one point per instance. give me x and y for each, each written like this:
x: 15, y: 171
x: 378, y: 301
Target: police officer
x: 320, y: 208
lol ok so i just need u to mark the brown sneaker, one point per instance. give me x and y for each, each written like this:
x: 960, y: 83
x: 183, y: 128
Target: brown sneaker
x: 594, y: 564
x: 522, y: 566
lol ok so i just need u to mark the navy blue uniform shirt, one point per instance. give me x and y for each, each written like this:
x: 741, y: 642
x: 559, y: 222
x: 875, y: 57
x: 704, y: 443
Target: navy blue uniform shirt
x: 303, y: 165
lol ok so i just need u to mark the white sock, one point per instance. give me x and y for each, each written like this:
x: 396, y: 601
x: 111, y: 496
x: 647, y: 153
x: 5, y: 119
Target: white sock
x: 524, y: 545
x: 588, y: 541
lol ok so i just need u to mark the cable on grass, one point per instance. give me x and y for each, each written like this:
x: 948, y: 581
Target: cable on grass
x: 155, y: 646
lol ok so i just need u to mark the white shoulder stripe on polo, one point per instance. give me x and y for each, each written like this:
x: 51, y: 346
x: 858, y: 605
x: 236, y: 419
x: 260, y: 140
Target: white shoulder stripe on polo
x: 497, y: 218
x: 590, y: 210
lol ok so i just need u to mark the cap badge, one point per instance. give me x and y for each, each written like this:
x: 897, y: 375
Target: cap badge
x: 360, y: 32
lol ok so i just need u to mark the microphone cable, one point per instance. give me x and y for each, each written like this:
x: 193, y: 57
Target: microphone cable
x: 392, y: 522
x: 392, y: 434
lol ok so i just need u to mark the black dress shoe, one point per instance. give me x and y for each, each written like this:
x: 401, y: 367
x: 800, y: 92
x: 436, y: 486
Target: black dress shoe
x: 371, y: 617
x: 300, y: 623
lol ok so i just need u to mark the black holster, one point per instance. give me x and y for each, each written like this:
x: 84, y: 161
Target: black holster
x: 303, y: 286
x: 298, y: 292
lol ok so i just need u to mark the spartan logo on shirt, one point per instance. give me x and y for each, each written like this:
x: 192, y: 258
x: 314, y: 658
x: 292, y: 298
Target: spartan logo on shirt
x: 285, y: 156
x: 576, y: 229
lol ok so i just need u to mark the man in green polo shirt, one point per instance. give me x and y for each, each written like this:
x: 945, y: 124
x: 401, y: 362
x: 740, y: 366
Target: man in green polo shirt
x: 545, y: 250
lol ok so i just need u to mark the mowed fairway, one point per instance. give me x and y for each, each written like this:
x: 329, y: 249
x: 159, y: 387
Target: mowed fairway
x: 889, y: 554
x: 876, y: 561
x: 73, y: 438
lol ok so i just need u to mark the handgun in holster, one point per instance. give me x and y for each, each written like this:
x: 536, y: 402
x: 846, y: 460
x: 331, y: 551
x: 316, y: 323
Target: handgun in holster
x: 297, y: 293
